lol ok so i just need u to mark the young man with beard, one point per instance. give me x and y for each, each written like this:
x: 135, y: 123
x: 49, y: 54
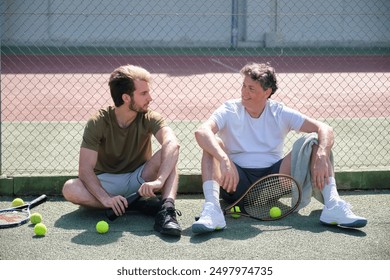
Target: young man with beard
x: 116, y: 158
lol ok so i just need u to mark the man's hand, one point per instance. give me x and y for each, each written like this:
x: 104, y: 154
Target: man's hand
x: 229, y: 176
x: 149, y: 189
x: 319, y: 169
x: 117, y: 203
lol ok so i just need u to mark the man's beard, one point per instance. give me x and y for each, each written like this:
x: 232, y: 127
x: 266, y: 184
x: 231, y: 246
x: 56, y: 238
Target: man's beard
x: 136, y: 108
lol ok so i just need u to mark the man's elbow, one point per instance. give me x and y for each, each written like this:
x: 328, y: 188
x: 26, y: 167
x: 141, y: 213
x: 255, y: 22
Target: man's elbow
x: 176, y: 146
x: 173, y: 144
x: 329, y: 130
x: 199, y: 134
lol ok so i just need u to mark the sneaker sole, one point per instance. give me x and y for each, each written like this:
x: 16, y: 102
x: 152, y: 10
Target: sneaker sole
x: 355, y: 224
x: 199, y: 228
x: 168, y: 231
x: 171, y: 232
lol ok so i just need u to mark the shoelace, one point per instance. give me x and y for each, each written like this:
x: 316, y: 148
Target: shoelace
x: 178, y: 212
x: 207, y: 210
x: 347, y: 208
x: 173, y: 211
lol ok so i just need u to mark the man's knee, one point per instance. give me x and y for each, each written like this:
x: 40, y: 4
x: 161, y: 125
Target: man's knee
x: 68, y: 189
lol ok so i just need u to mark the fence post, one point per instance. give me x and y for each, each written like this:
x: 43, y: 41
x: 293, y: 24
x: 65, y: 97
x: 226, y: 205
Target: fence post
x: 234, y: 28
x: 1, y: 122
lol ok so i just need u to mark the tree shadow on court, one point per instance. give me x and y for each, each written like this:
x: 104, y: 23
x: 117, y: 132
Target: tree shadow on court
x: 85, y: 220
x: 246, y: 228
x: 243, y: 228
x: 141, y: 225
x: 311, y: 223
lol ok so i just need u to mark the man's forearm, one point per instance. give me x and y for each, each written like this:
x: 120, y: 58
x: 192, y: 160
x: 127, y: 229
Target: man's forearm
x: 169, y: 159
x: 93, y: 185
x: 325, y: 139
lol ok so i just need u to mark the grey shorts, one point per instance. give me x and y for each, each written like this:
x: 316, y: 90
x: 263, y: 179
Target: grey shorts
x: 122, y: 184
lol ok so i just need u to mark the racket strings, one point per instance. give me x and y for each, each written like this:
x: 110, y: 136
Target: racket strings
x: 12, y: 217
x: 274, y: 191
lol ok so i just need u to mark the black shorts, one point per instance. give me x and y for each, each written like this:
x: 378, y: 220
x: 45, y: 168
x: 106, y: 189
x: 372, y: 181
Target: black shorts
x: 247, y: 177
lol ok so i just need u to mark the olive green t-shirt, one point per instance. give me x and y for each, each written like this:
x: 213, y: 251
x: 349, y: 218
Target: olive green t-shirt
x: 121, y: 150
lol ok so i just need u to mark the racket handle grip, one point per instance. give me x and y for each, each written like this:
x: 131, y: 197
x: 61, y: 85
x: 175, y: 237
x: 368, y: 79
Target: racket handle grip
x: 38, y: 201
x: 131, y: 199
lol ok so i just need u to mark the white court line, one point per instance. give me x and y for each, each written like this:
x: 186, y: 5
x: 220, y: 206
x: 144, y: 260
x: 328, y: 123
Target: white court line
x: 224, y: 65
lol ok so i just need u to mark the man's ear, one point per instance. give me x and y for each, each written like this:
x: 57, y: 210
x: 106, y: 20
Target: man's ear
x: 126, y: 98
x: 268, y: 92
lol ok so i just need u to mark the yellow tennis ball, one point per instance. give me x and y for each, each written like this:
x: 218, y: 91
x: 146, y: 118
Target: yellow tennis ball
x: 275, y: 212
x: 17, y: 202
x: 102, y: 227
x: 35, y: 218
x: 40, y: 229
x: 236, y: 212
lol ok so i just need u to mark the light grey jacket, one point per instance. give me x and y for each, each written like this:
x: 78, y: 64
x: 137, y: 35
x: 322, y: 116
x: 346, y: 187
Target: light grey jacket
x: 300, y: 168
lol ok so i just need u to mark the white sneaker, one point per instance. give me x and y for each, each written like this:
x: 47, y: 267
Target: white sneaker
x: 211, y: 219
x: 342, y: 215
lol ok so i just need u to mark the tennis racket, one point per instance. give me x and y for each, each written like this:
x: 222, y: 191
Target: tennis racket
x: 130, y: 200
x: 16, y: 216
x: 275, y: 190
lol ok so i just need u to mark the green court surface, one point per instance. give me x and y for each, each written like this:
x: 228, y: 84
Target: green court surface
x: 53, y: 155
x: 71, y: 235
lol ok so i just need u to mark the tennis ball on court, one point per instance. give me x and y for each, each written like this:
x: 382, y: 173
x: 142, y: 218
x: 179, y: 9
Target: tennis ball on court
x: 36, y: 218
x: 102, y: 227
x: 17, y: 202
x: 40, y: 229
x: 275, y: 212
x: 236, y: 212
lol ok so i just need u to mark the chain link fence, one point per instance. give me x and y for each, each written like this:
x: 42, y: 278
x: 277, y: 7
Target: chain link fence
x: 332, y: 58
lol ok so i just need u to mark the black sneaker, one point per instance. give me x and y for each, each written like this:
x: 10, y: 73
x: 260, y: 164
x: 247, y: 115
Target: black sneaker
x: 150, y: 206
x: 166, y: 223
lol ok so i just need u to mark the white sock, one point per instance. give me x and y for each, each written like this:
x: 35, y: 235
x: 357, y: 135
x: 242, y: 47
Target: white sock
x: 331, y: 196
x: 211, y: 192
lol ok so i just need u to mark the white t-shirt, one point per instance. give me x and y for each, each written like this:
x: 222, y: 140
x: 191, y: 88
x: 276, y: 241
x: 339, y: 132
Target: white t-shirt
x: 255, y: 142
